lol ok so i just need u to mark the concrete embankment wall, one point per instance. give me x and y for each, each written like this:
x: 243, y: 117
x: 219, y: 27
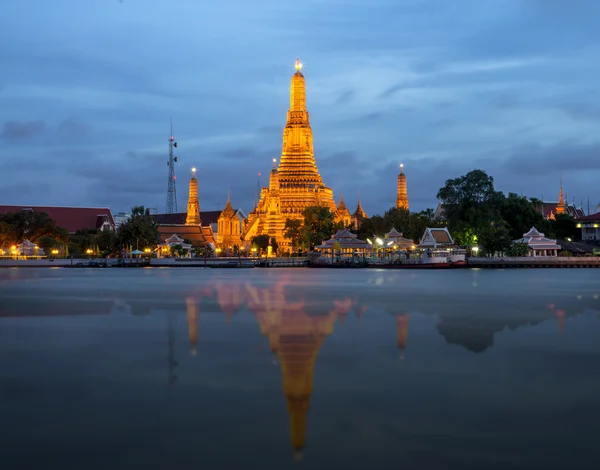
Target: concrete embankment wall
x: 535, y: 262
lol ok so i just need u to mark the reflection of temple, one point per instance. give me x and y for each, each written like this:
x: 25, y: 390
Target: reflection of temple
x: 193, y: 317
x: 402, y: 332
x: 295, y: 335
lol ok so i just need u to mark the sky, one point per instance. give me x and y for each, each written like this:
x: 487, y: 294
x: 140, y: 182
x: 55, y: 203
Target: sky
x: 87, y: 90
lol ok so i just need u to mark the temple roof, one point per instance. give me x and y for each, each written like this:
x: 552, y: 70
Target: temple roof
x: 198, y: 236
x: 393, y: 233
x: 536, y: 240
x: 208, y: 217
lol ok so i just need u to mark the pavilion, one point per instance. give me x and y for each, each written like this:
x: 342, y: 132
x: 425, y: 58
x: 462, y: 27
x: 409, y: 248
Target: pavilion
x: 345, y: 245
x: 538, y: 244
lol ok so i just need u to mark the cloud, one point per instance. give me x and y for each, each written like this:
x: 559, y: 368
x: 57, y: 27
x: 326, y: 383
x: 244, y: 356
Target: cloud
x: 583, y: 111
x: 548, y: 159
x: 13, y: 130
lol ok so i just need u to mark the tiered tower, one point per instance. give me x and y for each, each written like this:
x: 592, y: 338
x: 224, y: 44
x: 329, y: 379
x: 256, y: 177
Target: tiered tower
x: 296, y: 183
x: 342, y: 213
x: 402, y: 194
x: 193, y: 207
x: 561, y: 207
x: 359, y: 215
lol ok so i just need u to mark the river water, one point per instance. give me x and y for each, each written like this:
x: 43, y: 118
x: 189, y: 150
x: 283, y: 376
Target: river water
x: 299, y: 368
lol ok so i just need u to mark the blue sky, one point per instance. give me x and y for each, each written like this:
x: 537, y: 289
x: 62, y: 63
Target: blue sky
x: 87, y: 89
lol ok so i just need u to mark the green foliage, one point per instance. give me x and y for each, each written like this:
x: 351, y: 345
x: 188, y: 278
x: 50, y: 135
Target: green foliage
x: 565, y: 253
x: 140, y: 231
x: 565, y: 227
x: 520, y: 214
x: 412, y: 225
x: 494, y: 238
x: 274, y: 245
x: 293, y: 231
x: 319, y: 225
x: 28, y: 225
x: 261, y: 242
x: 517, y: 250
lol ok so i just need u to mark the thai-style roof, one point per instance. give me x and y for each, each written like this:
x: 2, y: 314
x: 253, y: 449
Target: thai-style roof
x: 589, y: 218
x: 199, y: 236
x: 342, y: 205
x: 393, y: 233
x: 537, y: 240
x: 346, y: 239
x: 434, y: 237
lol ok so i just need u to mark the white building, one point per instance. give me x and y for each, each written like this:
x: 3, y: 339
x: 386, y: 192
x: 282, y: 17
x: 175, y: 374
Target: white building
x: 538, y: 244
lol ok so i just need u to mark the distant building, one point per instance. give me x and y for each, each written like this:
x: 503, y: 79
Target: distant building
x: 187, y: 225
x: 402, y: 192
x: 72, y: 218
x: 436, y: 238
x: 121, y: 218
x: 590, y: 227
x: 538, y: 244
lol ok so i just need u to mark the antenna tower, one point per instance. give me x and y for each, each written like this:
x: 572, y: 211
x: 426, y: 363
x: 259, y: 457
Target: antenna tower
x: 171, y: 189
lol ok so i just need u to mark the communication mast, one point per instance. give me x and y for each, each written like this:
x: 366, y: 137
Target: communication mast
x: 171, y: 189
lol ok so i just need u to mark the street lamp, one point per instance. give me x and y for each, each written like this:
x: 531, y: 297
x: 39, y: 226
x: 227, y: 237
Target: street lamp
x: 475, y: 250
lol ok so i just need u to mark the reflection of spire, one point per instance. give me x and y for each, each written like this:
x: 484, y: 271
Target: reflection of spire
x: 297, y: 337
x: 560, y: 317
x: 230, y: 297
x: 172, y: 362
x: 402, y: 332
x: 192, y: 319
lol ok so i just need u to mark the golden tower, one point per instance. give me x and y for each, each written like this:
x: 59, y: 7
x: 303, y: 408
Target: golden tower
x: 402, y: 194
x: 229, y: 231
x: 342, y: 213
x: 193, y: 207
x: 561, y: 207
x: 296, y: 183
x: 359, y: 215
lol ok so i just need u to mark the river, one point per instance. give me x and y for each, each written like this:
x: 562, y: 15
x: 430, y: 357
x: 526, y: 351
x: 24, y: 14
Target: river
x: 299, y: 368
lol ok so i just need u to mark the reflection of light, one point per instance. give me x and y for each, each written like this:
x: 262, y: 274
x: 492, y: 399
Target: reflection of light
x: 595, y: 296
x: 579, y: 297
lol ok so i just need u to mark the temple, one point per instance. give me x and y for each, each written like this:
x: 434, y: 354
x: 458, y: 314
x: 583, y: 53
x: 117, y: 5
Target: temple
x: 359, y: 215
x: 230, y: 226
x: 549, y: 209
x: 402, y: 194
x: 295, y: 183
x: 192, y: 233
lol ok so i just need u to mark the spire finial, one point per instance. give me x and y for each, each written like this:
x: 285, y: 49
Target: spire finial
x: 228, y: 195
x: 298, y: 64
x: 274, y: 163
x: 401, y: 168
x: 194, y: 172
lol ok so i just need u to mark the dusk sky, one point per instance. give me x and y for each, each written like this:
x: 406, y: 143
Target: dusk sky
x: 443, y: 86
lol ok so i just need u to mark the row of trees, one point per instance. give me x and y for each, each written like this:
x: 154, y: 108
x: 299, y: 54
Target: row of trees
x: 139, y: 232
x: 477, y: 214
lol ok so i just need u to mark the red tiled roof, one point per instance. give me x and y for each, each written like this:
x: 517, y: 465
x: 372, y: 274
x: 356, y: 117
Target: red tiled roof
x: 198, y: 236
x: 70, y: 218
x: 589, y: 218
x: 548, y: 208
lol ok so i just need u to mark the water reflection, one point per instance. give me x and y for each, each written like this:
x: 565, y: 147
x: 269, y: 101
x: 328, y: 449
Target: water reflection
x: 296, y: 320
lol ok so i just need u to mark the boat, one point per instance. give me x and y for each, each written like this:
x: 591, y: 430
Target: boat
x: 423, y: 259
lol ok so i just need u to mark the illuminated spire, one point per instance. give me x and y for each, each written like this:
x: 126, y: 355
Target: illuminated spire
x: 193, y: 207
x: 298, y: 64
x: 561, y: 207
x: 402, y: 193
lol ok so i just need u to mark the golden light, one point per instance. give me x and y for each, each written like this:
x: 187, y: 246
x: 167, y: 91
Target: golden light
x: 194, y: 170
x: 218, y: 250
x: 298, y: 64
x: 147, y: 250
x: 88, y: 251
x: 412, y: 247
x: 55, y: 252
x: 395, y: 247
x: 13, y: 248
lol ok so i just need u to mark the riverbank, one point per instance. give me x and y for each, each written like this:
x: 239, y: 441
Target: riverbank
x: 489, y: 263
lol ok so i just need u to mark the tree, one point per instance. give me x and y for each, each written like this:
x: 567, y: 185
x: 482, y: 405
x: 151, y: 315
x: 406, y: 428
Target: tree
x: 261, y: 242
x: 274, y: 245
x: 494, y: 238
x: 521, y: 214
x: 293, y: 232
x: 319, y: 225
x: 517, y: 250
x: 140, y: 231
x: 471, y: 199
x: 27, y: 225
x: 565, y: 227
